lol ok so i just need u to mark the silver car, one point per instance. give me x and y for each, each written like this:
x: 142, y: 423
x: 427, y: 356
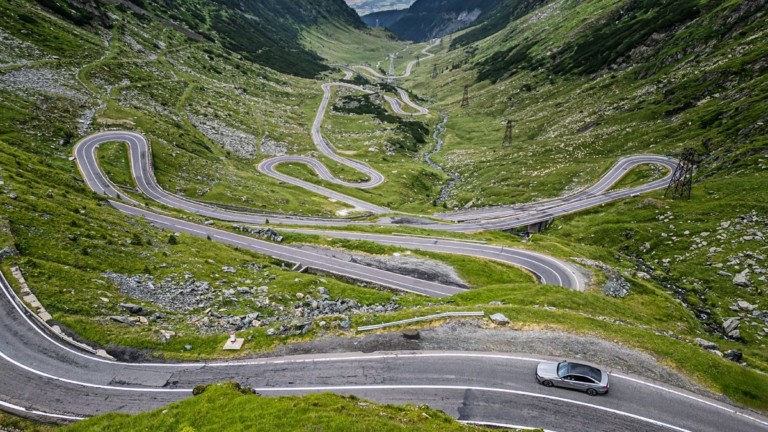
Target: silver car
x: 574, y: 376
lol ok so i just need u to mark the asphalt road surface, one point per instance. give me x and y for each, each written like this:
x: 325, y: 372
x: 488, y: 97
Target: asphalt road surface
x: 42, y: 378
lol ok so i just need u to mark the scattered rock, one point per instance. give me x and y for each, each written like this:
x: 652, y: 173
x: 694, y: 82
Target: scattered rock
x: 166, y: 335
x: 123, y: 320
x: 7, y: 252
x: 742, y: 279
x: 265, y: 233
x: 733, y: 355
x: 705, y: 344
x: 500, y: 319
x: 616, y: 286
x: 642, y: 275
x: 743, y: 305
x: 132, y: 308
x: 731, y: 324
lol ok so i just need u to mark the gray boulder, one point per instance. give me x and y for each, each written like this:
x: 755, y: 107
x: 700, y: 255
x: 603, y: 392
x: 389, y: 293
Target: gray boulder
x: 734, y: 355
x: 705, y: 344
x: 642, y: 275
x: 132, y: 308
x: 731, y: 324
x: 499, y: 319
x: 617, y: 287
x: 122, y: 320
x: 7, y: 252
x: 742, y: 279
x: 743, y: 305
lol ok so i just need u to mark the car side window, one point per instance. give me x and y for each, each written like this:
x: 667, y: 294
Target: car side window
x: 583, y: 379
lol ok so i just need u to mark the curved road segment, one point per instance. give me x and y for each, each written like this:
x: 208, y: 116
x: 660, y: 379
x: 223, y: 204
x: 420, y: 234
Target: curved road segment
x: 43, y: 378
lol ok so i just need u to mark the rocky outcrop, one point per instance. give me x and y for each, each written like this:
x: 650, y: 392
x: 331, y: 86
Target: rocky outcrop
x: 7, y: 252
x: 265, y: 232
x: 616, y: 285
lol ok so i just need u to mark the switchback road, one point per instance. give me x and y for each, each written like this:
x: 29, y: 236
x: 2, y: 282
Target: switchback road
x: 42, y: 378
x: 40, y: 375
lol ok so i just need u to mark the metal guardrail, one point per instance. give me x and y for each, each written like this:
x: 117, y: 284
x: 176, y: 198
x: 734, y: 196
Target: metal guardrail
x: 424, y: 318
x: 55, y: 330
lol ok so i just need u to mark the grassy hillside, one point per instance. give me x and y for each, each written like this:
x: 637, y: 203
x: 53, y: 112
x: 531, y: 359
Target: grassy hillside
x: 674, y: 82
x: 212, y: 114
x: 265, y: 32
x: 221, y: 407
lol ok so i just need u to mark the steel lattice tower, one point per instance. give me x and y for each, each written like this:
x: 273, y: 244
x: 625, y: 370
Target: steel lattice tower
x: 682, y: 179
x: 465, y: 99
x: 434, y: 71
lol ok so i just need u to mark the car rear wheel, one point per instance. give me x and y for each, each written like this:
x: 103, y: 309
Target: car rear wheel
x: 547, y: 383
x: 592, y: 392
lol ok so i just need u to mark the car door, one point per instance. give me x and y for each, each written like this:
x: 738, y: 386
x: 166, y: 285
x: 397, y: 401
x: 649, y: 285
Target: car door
x: 582, y: 383
x: 569, y: 381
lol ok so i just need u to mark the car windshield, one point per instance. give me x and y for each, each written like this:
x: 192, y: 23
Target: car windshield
x: 562, y: 369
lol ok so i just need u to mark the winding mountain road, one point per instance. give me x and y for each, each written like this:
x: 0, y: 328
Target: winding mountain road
x: 45, y: 379
x: 42, y: 377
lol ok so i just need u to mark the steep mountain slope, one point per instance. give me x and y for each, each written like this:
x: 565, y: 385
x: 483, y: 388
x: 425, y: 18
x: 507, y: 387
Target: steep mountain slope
x: 264, y: 31
x: 212, y: 115
x: 587, y: 82
x: 365, y: 7
x: 384, y: 18
x: 427, y: 19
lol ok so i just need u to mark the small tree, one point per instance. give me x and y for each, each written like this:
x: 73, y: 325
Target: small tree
x: 173, y: 240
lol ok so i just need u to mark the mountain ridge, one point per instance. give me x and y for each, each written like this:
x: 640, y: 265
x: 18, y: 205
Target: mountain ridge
x: 429, y: 19
x: 265, y: 31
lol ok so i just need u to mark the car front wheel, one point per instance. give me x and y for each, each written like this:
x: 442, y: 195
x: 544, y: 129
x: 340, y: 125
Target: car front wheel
x: 592, y: 392
x: 547, y: 383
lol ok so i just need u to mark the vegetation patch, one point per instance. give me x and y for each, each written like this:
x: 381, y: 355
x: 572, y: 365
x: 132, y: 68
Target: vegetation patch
x: 218, y: 407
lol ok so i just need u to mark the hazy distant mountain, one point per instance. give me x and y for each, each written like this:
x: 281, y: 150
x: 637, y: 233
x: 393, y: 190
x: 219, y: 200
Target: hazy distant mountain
x: 364, y: 7
x: 427, y: 19
x: 384, y: 18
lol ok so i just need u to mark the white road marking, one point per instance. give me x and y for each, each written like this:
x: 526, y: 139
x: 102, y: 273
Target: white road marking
x: 502, y: 425
x: 486, y: 389
x: 354, y: 358
x: 13, y: 407
x: 698, y: 399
